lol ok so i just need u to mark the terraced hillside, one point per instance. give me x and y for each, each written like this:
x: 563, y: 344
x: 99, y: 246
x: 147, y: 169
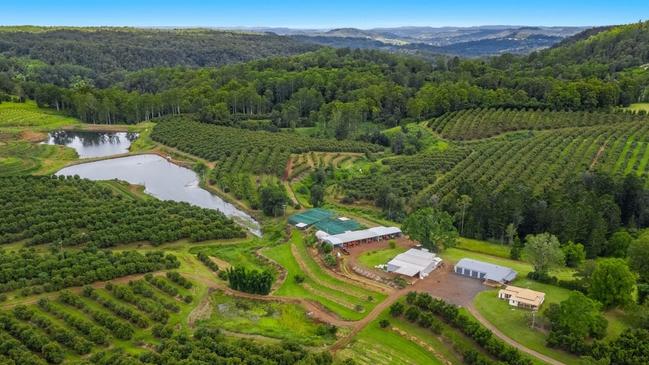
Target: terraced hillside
x: 237, y: 150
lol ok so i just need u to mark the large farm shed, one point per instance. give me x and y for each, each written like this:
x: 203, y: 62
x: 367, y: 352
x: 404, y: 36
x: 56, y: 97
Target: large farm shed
x: 357, y: 237
x: 485, y: 271
x: 414, y: 262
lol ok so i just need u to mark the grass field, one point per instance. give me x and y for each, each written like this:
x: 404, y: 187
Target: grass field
x: 484, y: 247
x: 348, y: 301
x: 378, y: 257
x: 377, y: 346
x: 21, y: 158
x: 236, y: 253
x: 274, y: 320
x: 28, y: 114
x: 638, y: 107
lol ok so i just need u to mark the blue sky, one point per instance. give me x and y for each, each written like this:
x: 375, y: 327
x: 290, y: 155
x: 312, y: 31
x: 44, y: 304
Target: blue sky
x: 321, y: 14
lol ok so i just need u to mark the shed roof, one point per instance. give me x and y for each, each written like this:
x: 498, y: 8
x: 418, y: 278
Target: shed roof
x: 310, y: 216
x: 493, y: 272
x: 336, y: 225
x: 351, y: 236
x: 413, y: 261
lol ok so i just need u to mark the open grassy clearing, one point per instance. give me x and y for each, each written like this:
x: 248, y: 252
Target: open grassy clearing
x: 280, y: 321
x: 344, y: 299
x: 28, y: 114
x: 377, y: 346
x: 235, y: 253
x: 22, y: 158
x: 378, y: 257
x: 636, y: 107
x: 493, y: 249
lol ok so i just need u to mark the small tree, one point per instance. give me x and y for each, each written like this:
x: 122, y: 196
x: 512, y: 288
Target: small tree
x: 573, y: 321
x: 639, y: 257
x: 574, y: 253
x: 544, y: 252
x: 317, y: 195
x: 612, y: 283
x: 433, y: 228
x: 273, y: 200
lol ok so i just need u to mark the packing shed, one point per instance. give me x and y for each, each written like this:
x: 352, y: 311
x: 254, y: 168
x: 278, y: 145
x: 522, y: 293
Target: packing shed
x: 490, y: 273
x: 414, y: 262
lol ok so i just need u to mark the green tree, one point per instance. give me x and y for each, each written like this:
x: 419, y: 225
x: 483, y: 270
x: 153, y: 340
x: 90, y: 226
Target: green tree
x: 317, y: 195
x: 433, y: 228
x: 573, y: 321
x: 618, y: 244
x: 273, y: 200
x: 612, y: 283
x: 575, y: 254
x: 639, y: 257
x: 543, y: 251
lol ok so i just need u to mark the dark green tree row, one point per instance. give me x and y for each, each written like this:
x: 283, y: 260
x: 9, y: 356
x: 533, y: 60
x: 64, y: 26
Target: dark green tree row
x: 250, y: 281
x: 120, y: 329
x: 422, y: 303
x: 33, y: 272
x: 71, y: 211
x: 208, y: 346
x: 483, y: 123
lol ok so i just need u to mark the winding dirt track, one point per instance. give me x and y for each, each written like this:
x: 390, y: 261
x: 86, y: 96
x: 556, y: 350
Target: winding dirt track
x: 508, y: 340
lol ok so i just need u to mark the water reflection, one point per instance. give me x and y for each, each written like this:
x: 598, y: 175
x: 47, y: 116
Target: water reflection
x: 93, y: 144
x: 162, y: 179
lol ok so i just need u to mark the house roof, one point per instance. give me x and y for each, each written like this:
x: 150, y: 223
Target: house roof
x: 492, y: 272
x: 310, y: 216
x: 413, y: 261
x: 524, y: 295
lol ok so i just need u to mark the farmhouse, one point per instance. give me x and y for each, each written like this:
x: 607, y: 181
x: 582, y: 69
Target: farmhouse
x: 521, y: 297
x: 414, y: 262
x: 490, y: 273
x: 353, y: 238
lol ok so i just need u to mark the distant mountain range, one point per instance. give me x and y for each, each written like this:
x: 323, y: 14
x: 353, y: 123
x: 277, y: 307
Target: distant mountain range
x: 461, y: 41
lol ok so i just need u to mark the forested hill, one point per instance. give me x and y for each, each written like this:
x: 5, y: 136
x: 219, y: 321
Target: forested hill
x: 621, y: 47
x: 113, y: 49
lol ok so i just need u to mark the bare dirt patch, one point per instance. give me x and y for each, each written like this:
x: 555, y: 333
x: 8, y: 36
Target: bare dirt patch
x: 202, y: 310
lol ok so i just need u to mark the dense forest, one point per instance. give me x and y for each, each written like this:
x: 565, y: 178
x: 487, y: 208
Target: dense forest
x: 342, y: 89
x: 108, y: 51
x: 70, y: 211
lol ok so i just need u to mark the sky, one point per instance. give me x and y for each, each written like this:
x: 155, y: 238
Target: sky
x: 321, y: 14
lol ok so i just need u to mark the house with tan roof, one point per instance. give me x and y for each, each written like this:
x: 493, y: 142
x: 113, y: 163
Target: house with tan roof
x: 521, y: 297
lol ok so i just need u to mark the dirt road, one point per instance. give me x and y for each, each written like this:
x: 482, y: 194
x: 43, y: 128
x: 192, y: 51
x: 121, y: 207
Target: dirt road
x: 509, y: 340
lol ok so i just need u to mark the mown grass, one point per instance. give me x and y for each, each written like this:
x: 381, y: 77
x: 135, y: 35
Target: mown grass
x: 377, y: 346
x: 378, y: 257
x: 340, y: 297
x: 484, y: 247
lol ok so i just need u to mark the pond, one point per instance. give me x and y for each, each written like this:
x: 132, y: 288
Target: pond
x: 163, y: 180
x: 93, y: 144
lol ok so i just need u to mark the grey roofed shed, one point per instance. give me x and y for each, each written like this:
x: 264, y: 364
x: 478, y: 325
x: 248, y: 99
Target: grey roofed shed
x: 484, y: 270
